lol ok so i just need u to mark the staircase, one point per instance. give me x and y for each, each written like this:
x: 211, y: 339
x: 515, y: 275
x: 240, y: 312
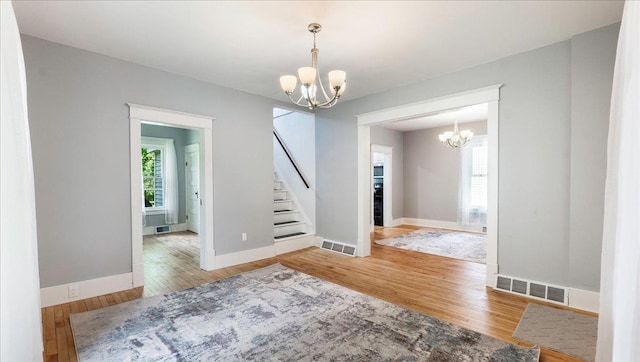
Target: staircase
x: 288, y: 223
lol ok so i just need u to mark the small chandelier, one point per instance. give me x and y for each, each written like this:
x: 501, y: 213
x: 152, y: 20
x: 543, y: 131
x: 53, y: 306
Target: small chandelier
x: 456, y: 139
x: 308, y: 77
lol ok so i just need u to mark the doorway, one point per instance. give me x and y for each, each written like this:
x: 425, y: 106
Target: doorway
x: 138, y: 115
x: 382, y: 185
x: 489, y: 95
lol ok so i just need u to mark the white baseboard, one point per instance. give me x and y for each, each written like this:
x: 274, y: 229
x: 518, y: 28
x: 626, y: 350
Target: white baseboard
x: 439, y: 224
x: 179, y: 227
x: 492, y: 271
x: 584, y: 300
x: 244, y: 256
x: 289, y: 245
x: 319, y: 240
x: 138, y: 275
x: 59, y: 294
x: 150, y: 230
x: 397, y: 222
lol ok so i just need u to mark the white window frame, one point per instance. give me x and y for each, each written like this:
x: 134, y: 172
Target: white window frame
x: 472, y: 175
x: 156, y: 143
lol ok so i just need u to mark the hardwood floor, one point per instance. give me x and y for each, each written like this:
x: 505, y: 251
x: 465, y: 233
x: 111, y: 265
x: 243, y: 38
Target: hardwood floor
x: 448, y: 289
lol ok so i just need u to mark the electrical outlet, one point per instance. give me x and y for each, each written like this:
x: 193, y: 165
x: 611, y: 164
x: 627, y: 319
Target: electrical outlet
x: 73, y: 291
x: 244, y: 236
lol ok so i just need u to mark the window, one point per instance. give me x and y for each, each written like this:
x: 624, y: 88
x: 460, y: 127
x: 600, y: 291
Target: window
x: 472, y: 203
x: 153, y: 175
x: 479, y: 175
x: 160, y: 178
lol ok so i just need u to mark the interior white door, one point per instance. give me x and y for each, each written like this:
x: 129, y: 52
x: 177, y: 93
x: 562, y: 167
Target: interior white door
x: 192, y: 182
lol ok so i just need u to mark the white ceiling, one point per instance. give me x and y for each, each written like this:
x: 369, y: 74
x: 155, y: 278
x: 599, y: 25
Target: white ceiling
x: 475, y: 113
x: 248, y: 45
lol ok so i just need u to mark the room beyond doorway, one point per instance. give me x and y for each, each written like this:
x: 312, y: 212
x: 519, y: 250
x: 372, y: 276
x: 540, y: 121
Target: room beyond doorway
x: 489, y: 95
x: 139, y: 114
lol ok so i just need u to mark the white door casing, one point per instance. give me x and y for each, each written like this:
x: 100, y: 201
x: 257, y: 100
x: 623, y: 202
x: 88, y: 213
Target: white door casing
x: 387, y: 196
x: 192, y: 186
x: 137, y: 115
x: 489, y: 95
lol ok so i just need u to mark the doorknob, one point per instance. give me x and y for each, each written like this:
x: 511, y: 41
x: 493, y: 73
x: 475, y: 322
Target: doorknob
x: 196, y: 193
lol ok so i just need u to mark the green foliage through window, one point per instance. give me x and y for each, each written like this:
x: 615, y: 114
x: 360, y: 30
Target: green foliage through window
x: 152, y: 177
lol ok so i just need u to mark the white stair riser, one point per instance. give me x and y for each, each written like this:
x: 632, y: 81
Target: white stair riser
x: 288, y: 229
x: 290, y: 216
x: 283, y: 205
x: 279, y: 195
x: 277, y: 185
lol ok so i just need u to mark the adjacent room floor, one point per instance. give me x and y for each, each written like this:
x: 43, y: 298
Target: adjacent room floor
x: 448, y: 289
x: 457, y: 244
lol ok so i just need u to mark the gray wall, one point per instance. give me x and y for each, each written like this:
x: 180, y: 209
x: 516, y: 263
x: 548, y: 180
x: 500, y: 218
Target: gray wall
x: 593, y: 56
x: 179, y: 136
x: 534, y: 154
x: 432, y: 173
x: 193, y: 136
x: 336, y: 175
x: 80, y: 137
x: 393, y: 138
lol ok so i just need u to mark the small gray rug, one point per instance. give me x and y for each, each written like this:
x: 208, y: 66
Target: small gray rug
x: 452, y: 244
x: 564, y: 331
x: 277, y: 314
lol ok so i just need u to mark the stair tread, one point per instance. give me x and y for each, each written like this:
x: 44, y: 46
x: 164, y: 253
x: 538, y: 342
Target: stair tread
x: 284, y: 211
x: 285, y: 222
x: 282, y: 200
x: 289, y: 235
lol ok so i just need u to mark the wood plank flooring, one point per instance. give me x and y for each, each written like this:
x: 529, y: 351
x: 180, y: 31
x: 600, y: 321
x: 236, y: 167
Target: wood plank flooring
x: 448, y: 289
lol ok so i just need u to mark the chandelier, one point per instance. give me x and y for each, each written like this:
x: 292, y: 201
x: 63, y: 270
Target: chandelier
x: 456, y: 139
x: 310, y: 79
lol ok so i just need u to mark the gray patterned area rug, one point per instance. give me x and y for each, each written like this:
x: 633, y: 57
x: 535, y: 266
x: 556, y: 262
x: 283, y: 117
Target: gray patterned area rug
x: 564, y: 331
x: 452, y: 244
x: 277, y: 314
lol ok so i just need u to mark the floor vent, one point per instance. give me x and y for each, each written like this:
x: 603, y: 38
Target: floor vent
x: 533, y: 289
x: 163, y: 229
x: 338, y: 247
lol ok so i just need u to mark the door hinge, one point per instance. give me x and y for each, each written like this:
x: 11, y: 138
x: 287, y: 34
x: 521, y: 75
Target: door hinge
x: 187, y: 217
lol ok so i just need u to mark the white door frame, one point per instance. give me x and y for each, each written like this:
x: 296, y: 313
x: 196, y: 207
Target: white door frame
x: 137, y: 115
x: 387, y: 173
x: 188, y: 149
x: 490, y: 95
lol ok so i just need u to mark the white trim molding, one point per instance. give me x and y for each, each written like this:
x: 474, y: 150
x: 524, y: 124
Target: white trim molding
x: 139, y: 114
x: 387, y: 196
x: 161, y: 116
x: 59, y: 294
x: 244, y: 256
x: 439, y: 224
x: 293, y: 244
x: 151, y: 230
x: 417, y: 109
x: 584, y: 300
x: 489, y: 95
